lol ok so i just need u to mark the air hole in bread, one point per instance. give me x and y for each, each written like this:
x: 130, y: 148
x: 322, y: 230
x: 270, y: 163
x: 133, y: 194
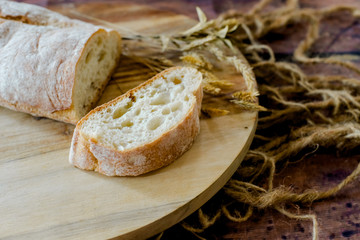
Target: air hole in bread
x: 101, y: 56
x: 165, y: 111
x: 129, y: 105
x: 88, y: 57
x: 119, y: 112
x: 176, y: 81
x: 177, y: 106
x: 92, y: 85
x: 132, y: 98
x: 152, y: 93
x: 99, y: 41
x: 162, y: 99
x: 154, y: 123
x: 137, y: 112
x: 186, y: 98
x: 127, y: 123
x: 122, y: 110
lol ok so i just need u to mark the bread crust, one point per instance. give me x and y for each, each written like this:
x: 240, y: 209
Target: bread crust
x: 40, y: 79
x: 86, y: 153
x: 36, y: 15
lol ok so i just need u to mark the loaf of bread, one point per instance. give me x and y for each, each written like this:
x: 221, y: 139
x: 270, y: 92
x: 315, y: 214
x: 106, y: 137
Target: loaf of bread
x: 51, y: 65
x: 145, y: 129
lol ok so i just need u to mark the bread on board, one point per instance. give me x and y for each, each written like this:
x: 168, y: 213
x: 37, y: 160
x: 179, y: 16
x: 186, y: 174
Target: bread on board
x: 145, y: 129
x: 51, y: 65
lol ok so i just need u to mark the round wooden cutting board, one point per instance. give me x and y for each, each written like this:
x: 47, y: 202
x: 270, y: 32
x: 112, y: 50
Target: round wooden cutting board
x: 43, y: 196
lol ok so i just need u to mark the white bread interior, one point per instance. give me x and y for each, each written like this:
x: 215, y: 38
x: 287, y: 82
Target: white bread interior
x: 93, y: 70
x: 142, y: 130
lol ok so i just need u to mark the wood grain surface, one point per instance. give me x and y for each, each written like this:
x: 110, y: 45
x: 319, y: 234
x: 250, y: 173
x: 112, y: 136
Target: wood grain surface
x: 44, y: 197
x: 339, y: 217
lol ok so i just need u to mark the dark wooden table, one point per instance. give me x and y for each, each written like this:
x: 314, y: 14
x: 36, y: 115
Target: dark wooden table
x: 338, y: 217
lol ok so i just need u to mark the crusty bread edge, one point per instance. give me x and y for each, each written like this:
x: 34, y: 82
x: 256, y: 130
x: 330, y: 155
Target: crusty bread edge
x: 88, y: 154
x: 67, y: 115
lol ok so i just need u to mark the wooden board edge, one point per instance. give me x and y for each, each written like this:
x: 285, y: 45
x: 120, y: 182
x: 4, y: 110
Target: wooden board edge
x: 190, y: 207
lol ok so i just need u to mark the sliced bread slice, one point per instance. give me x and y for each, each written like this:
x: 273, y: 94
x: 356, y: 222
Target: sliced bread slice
x: 145, y: 129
